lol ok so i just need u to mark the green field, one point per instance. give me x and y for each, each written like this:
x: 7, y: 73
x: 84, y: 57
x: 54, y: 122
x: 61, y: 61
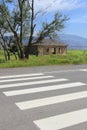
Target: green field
x: 72, y: 57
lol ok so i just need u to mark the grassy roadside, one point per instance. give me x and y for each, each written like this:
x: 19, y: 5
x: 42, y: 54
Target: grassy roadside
x: 72, y: 57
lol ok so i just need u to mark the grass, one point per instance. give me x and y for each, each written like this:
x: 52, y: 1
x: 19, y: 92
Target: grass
x: 72, y: 57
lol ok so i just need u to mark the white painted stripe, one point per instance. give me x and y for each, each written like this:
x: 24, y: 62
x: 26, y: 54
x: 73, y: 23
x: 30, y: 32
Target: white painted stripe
x: 31, y: 83
x: 42, y: 89
x: 23, y: 79
x: 51, y: 100
x: 62, y: 121
x: 83, y: 69
x: 22, y: 75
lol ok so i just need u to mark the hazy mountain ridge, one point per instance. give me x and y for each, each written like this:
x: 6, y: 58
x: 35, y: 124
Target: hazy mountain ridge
x: 73, y: 41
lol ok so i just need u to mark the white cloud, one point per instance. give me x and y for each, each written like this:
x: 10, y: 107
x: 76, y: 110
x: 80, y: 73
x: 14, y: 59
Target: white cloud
x: 54, y: 5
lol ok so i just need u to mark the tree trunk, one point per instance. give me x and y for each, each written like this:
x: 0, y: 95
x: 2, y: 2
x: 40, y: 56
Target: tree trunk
x: 22, y: 56
x: 27, y: 51
x: 5, y: 55
x: 8, y: 55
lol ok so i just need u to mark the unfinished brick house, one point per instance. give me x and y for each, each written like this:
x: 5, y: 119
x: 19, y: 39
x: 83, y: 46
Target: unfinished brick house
x: 49, y: 46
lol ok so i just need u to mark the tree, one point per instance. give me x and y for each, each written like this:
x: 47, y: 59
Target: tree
x: 15, y: 20
x: 21, y: 21
x: 3, y: 29
x: 5, y: 41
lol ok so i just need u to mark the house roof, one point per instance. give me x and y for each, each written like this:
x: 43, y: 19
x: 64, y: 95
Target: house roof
x: 51, y: 42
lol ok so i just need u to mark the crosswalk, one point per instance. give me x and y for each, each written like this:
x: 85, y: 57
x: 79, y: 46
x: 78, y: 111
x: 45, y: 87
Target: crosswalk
x: 14, y: 85
x: 61, y: 121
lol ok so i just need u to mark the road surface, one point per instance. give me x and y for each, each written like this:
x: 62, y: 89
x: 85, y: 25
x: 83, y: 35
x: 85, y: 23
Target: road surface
x: 44, y: 98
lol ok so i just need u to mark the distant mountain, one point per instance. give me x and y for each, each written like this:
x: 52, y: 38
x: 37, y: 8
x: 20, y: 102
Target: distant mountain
x: 73, y: 41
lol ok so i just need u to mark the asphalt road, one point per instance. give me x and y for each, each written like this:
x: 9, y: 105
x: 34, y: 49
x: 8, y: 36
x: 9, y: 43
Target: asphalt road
x: 44, y: 98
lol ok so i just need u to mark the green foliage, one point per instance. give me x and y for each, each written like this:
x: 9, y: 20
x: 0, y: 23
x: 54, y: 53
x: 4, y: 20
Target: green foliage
x: 51, y: 29
x: 72, y: 57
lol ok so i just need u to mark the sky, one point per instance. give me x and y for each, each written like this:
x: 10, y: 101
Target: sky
x: 76, y: 10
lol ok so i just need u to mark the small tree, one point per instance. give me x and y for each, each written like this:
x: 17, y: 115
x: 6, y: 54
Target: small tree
x: 21, y: 21
x: 3, y: 29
